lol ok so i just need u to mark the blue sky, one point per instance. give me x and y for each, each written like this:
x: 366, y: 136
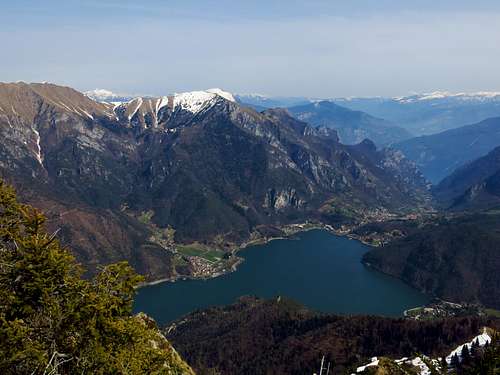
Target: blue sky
x: 294, y: 48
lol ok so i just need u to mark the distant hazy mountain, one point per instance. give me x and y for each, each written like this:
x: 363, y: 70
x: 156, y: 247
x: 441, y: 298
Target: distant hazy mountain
x: 115, y: 178
x: 103, y: 95
x: 420, y: 114
x: 439, y: 155
x: 260, y: 102
x: 351, y: 126
x: 476, y: 185
x: 430, y: 113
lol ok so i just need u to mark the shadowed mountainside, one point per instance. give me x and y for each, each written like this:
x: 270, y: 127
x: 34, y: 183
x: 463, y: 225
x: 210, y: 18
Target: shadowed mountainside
x: 454, y: 258
x: 474, y: 186
x: 122, y: 180
x: 438, y: 155
x: 256, y: 336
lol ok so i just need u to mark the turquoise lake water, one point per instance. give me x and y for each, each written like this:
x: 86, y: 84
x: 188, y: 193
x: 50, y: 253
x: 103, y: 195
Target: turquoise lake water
x: 316, y: 268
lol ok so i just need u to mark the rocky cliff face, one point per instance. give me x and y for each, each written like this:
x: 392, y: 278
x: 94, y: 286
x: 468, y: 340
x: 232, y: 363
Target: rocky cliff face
x: 113, y: 177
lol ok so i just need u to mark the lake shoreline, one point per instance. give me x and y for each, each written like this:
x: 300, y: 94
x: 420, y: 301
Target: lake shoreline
x: 290, y: 229
x: 312, y: 269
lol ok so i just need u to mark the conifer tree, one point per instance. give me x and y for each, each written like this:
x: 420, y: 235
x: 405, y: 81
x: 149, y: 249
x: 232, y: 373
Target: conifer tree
x: 455, y: 361
x: 474, y: 348
x: 53, y: 321
x: 465, y: 354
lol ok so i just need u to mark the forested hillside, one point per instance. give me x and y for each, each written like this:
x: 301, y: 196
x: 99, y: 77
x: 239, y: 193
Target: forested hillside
x: 455, y: 258
x: 256, y: 336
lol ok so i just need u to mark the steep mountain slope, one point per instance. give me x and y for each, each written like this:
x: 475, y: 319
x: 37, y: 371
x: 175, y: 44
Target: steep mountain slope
x: 439, y: 155
x: 279, y: 336
x: 455, y: 258
x: 430, y: 113
x: 67, y: 155
x: 474, y: 186
x: 192, y: 167
x: 352, y: 126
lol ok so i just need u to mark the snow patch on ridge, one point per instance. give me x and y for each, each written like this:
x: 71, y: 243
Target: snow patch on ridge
x: 162, y: 102
x: 195, y: 101
x: 38, y: 153
x: 421, y: 366
x: 436, y: 95
x: 139, y: 104
x: 482, y: 339
x: 86, y: 113
x: 107, y: 96
x: 101, y: 95
x: 374, y: 362
x: 419, y: 362
x: 226, y: 95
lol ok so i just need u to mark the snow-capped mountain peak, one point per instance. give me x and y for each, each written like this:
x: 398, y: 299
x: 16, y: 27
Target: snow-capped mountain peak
x: 194, y: 101
x: 103, y: 95
x: 443, y: 95
x: 100, y: 94
x: 226, y: 95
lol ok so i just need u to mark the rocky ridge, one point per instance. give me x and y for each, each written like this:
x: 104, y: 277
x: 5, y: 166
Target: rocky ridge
x: 131, y: 180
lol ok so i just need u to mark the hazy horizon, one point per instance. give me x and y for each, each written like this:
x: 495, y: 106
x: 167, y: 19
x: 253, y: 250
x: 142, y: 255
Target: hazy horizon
x: 315, y: 48
x: 263, y: 94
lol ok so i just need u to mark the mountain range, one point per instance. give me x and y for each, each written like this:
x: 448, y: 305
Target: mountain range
x: 123, y: 181
x: 352, y: 126
x: 151, y: 180
x: 438, y: 155
x: 261, y: 102
x: 474, y: 186
x: 419, y: 114
x: 425, y: 114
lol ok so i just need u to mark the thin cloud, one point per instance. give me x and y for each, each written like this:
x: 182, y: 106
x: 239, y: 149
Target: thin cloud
x: 322, y: 56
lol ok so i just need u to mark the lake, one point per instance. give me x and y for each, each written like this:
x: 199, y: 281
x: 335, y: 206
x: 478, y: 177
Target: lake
x: 316, y: 268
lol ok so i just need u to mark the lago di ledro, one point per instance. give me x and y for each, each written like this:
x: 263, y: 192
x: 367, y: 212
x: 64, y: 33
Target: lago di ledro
x: 315, y: 268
